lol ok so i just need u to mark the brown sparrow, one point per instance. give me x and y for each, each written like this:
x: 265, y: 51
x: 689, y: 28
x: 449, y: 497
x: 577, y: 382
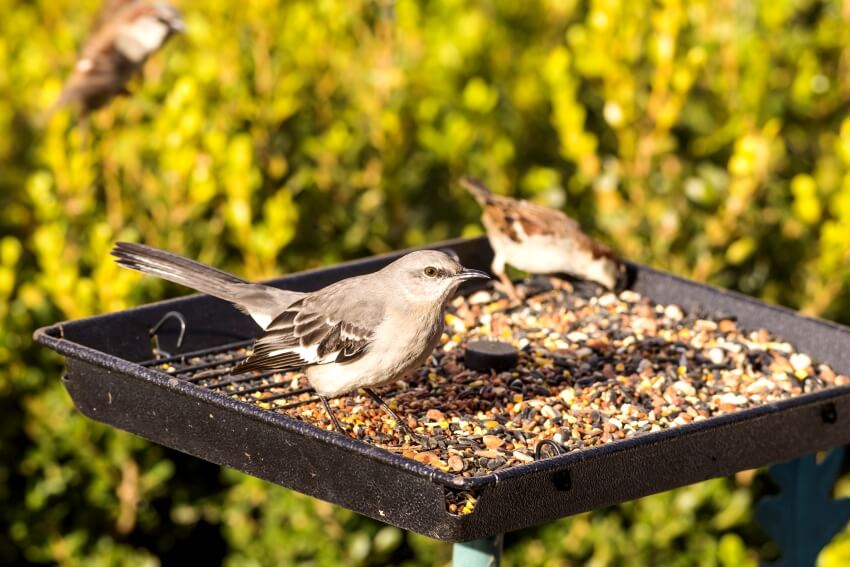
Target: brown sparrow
x: 125, y: 34
x: 540, y: 240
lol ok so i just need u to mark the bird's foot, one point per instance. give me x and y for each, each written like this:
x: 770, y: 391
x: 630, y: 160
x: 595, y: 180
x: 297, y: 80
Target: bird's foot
x: 425, y: 442
x: 561, y: 284
x: 337, y: 425
x: 506, y: 286
x: 399, y: 423
x: 587, y: 288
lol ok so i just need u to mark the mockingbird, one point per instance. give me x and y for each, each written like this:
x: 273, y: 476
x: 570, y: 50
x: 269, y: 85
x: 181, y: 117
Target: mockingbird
x: 540, y: 240
x: 360, y: 332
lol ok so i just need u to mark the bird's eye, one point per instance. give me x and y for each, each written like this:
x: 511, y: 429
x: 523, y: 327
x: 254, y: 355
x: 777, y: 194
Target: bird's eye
x: 431, y: 271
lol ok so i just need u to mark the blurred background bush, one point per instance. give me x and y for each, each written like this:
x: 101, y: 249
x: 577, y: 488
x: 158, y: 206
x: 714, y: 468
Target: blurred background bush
x: 709, y: 138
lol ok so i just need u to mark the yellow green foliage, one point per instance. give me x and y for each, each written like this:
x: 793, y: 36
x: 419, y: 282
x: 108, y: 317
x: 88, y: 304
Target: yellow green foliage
x: 705, y: 137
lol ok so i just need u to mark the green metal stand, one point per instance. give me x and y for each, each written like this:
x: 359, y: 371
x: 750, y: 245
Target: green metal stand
x: 479, y: 553
x: 804, y: 517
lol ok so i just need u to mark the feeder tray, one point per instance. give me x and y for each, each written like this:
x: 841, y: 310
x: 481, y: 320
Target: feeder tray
x: 116, y: 376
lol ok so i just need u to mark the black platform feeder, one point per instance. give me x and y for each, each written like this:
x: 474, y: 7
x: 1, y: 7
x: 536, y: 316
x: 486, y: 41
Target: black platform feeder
x: 110, y: 381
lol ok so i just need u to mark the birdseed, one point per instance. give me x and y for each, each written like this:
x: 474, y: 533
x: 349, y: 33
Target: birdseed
x: 594, y: 367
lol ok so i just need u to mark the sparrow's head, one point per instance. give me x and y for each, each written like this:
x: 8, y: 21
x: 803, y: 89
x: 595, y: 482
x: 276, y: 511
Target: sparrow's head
x: 430, y: 275
x: 144, y: 27
x: 161, y: 13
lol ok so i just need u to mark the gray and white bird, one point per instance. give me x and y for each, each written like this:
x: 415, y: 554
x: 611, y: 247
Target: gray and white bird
x: 357, y: 333
x: 540, y: 240
x: 125, y: 34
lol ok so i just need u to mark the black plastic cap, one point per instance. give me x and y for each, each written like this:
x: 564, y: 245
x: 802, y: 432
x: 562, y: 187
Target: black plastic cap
x: 485, y: 356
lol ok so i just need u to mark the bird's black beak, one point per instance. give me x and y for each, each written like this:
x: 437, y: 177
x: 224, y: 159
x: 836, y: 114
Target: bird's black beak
x: 470, y: 274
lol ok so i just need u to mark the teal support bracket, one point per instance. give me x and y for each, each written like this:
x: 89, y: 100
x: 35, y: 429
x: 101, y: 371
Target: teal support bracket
x: 804, y: 517
x: 479, y: 553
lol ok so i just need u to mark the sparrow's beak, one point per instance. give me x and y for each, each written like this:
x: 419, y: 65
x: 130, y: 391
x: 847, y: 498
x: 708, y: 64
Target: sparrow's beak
x: 469, y: 274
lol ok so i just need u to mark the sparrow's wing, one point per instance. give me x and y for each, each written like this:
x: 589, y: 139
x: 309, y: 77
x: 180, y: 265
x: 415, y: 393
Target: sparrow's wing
x: 108, y: 13
x: 536, y: 219
x: 99, y: 74
x: 324, y: 327
x: 543, y: 221
x: 518, y: 218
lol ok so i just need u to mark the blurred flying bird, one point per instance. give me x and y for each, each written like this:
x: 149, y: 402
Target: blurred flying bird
x: 357, y: 333
x: 540, y: 240
x: 124, y: 35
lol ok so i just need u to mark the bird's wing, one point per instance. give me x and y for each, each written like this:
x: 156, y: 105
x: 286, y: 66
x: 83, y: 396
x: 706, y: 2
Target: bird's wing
x: 332, y: 325
x: 99, y: 72
x: 517, y: 218
x: 108, y: 13
x: 520, y: 219
x: 538, y: 220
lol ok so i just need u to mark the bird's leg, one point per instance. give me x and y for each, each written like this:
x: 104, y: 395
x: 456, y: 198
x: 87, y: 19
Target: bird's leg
x: 371, y: 393
x: 335, y: 421
x: 561, y: 284
x: 507, y: 286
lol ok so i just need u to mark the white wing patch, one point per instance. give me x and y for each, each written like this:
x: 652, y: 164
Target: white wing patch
x: 308, y: 354
x: 304, y: 336
x: 262, y: 319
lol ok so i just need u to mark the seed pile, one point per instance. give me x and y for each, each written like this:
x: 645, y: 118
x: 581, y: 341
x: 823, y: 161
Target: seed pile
x: 593, y: 367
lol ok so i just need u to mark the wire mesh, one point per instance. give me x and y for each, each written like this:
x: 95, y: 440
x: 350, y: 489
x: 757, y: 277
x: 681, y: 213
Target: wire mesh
x: 216, y: 369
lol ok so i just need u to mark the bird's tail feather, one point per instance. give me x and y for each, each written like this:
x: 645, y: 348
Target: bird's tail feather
x: 477, y: 189
x: 262, y: 302
x: 177, y: 269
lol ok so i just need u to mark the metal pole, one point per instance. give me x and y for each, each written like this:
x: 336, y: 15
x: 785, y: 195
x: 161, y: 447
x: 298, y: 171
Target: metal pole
x: 804, y: 517
x: 485, y: 552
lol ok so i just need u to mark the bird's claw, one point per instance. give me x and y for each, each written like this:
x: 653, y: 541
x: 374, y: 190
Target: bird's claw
x: 426, y: 442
